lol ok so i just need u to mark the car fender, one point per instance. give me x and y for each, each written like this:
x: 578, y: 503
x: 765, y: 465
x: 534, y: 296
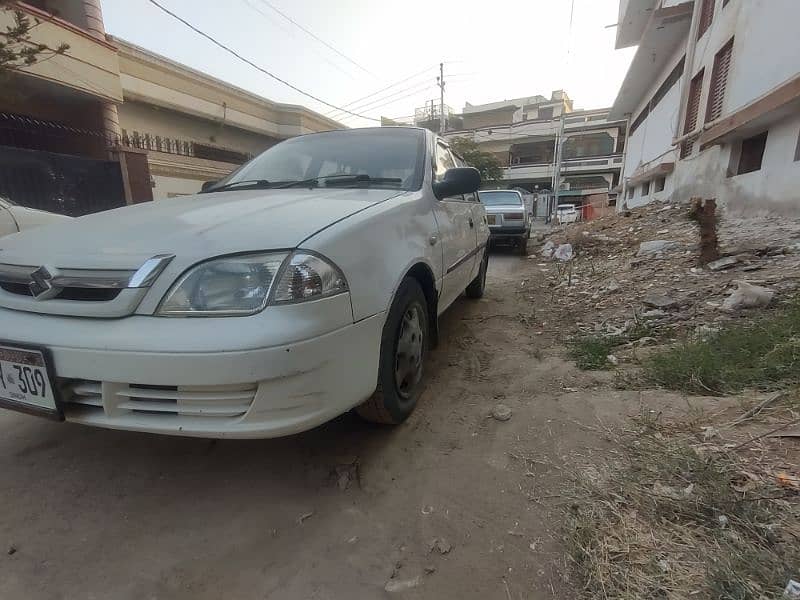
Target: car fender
x: 376, y: 248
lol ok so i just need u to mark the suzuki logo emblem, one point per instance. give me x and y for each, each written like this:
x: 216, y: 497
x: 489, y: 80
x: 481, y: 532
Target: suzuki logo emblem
x: 41, y: 286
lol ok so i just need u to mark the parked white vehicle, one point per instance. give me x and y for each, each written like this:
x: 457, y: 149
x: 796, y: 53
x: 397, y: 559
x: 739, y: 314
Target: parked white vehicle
x: 15, y: 218
x: 567, y: 213
x: 307, y: 283
x: 507, y: 216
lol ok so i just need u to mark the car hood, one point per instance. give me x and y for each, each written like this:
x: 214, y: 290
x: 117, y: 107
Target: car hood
x: 191, y: 227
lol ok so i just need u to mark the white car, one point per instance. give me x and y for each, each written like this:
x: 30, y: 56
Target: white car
x: 567, y: 213
x: 15, y: 218
x: 307, y: 283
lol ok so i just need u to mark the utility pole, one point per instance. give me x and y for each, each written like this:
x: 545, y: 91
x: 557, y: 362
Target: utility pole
x: 440, y: 83
x: 557, y: 172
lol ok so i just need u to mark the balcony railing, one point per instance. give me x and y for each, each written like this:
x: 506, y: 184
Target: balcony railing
x: 157, y: 143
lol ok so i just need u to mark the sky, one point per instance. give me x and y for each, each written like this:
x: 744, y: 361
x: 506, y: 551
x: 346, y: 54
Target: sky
x: 491, y: 51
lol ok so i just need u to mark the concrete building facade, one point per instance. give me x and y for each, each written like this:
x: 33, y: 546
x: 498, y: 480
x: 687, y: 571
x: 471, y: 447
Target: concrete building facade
x: 525, y: 134
x: 713, y: 102
x: 194, y: 127
x: 104, y: 122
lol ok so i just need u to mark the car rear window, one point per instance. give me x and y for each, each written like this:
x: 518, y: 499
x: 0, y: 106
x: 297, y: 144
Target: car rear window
x: 500, y: 198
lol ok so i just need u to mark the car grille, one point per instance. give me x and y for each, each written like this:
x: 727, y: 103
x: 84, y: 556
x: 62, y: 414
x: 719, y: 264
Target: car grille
x: 69, y: 293
x: 187, y: 401
x: 77, y: 291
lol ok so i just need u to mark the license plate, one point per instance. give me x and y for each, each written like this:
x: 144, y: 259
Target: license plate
x: 491, y: 219
x: 26, y: 382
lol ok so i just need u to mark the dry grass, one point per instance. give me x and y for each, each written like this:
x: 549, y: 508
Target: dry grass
x: 670, y: 518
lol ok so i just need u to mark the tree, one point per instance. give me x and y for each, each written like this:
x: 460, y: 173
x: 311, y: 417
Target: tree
x: 487, y: 163
x: 17, y: 49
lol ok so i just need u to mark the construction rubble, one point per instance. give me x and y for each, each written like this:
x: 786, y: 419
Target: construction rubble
x: 643, y: 268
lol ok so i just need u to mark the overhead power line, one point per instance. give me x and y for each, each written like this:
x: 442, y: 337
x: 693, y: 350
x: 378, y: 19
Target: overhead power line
x: 310, y: 33
x: 392, y: 98
x: 388, y: 87
x: 254, y: 65
x: 396, y: 100
x: 293, y: 34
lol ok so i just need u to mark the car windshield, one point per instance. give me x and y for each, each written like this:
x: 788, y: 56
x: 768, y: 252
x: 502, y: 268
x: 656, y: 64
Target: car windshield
x: 500, y: 198
x: 378, y: 157
x: 566, y: 208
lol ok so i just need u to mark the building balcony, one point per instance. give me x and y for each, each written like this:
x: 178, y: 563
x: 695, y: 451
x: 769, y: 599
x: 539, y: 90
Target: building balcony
x: 588, y: 164
x: 529, y: 171
x: 90, y: 65
x: 592, y: 163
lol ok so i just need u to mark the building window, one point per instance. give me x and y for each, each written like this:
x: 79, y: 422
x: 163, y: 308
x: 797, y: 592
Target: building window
x: 646, y: 188
x: 661, y: 183
x: 692, y: 109
x: 719, y: 81
x: 725, y: 3
x: 752, y: 154
x: 706, y: 17
x: 546, y: 113
x: 631, y: 190
x: 797, y: 150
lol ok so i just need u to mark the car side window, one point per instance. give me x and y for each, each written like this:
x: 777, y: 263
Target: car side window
x: 444, y: 161
x: 460, y: 163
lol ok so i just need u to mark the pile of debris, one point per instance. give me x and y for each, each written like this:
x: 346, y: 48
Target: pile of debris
x: 644, y: 267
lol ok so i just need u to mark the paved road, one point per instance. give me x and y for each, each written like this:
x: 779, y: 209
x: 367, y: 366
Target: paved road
x: 332, y: 513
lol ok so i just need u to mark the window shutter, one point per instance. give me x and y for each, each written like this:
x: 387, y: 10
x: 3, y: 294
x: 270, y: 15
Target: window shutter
x: 719, y: 81
x: 692, y: 110
x: 706, y: 17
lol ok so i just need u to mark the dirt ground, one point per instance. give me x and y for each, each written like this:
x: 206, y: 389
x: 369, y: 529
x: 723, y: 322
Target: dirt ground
x: 452, y: 504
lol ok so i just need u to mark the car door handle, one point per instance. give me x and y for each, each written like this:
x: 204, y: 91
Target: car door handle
x: 471, y: 222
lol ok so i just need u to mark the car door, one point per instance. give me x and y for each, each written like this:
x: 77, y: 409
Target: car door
x: 7, y: 222
x: 457, y: 233
x: 479, y: 221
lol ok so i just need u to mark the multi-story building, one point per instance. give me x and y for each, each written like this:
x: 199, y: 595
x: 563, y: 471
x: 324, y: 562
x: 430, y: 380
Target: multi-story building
x: 713, y: 100
x: 105, y: 123
x: 58, y: 116
x: 525, y: 134
x: 196, y: 128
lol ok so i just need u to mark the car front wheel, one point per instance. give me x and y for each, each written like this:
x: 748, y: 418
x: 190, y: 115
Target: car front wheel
x: 404, y: 345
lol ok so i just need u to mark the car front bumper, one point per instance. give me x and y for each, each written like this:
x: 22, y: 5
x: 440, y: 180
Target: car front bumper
x: 230, y: 377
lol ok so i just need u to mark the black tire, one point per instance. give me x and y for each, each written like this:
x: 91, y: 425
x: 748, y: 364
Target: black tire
x: 477, y: 286
x: 523, y: 246
x: 394, y: 401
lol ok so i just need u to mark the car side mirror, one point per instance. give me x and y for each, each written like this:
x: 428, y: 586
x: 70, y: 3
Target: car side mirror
x: 461, y: 180
x: 207, y: 184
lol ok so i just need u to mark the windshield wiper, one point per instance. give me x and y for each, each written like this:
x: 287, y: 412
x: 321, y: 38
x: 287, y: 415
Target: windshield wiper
x: 256, y: 184
x: 340, y: 179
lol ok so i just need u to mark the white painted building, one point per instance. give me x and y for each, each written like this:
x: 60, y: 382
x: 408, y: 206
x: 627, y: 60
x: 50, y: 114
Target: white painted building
x: 713, y: 102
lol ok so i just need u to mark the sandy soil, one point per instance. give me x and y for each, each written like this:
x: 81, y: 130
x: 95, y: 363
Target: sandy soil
x: 337, y: 512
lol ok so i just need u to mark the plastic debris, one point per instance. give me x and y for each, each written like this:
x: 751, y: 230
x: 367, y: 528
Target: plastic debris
x: 563, y: 252
x: 792, y: 591
x: 547, y: 249
x: 747, y: 295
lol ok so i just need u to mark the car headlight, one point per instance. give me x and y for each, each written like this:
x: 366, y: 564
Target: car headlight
x: 244, y: 285
x: 308, y: 276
